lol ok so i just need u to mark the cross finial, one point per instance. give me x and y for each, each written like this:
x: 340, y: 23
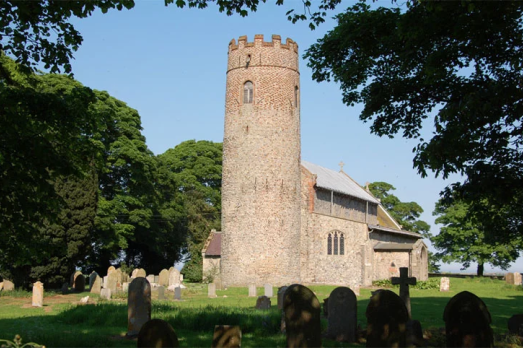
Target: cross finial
x: 341, y: 164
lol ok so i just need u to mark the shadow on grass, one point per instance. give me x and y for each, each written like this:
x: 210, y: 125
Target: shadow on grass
x: 105, y: 324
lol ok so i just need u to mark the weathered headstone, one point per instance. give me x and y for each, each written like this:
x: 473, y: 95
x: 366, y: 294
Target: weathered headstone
x: 8, y: 285
x: 119, y: 278
x: 156, y: 279
x: 105, y: 282
x: 263, y: 302
x: 110, y: 270
x: 302, y: 317
x: 444, y: 284
x: 415, y: 334
x: 404, y: 281
x: 125, y: 287
x: 92, y: 278
x: 164, y: 278
x: 509, y: 278
x: 252, y: 290
x: 134, y: 273
x: 105, y: 294
x: 73, y: 277
x: 467, y: 322
x: 150, y: 278
x: 96, y: 284
x: 227, y: 336
x: 140, y: 273
x: 268, y: 290
x: 112, y: 280
x: 79, y: 283
x: 161, y: 293
x: 211, y: 290
x: 178, y: 293
x: 515, y: 324
x: 281, y: 292
x: 174, y: 277
x: 138, y: 305
x: 171, y: 269
x: 342, y: 315
x: 157, y: 333
x: 38, y: 294
x: 387, y: 318
x: 517, y: 278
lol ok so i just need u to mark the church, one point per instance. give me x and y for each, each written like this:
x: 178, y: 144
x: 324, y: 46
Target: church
x: 286, y: 220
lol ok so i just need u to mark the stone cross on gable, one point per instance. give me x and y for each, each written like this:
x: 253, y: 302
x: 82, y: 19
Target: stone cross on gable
x: 404, y: 281
x: 341, y: 164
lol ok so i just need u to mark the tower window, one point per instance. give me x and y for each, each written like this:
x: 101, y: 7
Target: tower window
x: 247, y: 92
x: 329, y: 245
x: 296, y: 96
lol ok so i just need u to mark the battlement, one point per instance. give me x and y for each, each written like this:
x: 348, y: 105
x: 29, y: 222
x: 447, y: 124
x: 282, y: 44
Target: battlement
x: 258, y: 42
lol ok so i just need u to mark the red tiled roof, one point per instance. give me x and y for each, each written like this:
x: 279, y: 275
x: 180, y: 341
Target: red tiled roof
x: 215, y: 246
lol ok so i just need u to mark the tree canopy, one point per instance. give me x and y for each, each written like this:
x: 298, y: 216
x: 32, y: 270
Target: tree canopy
x: 458, y: 63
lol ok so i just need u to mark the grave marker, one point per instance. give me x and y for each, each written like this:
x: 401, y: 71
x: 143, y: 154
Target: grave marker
x: 515, y: 324
x: 92, y: 278
x: 268, y: 290
x: 105, y: 294
x: 8, y: 285
x: 178, y: 293
x: 38, y: 294
x: 252, y: 290
x: 161, y: 293
x: 387, y: 318
x: 444, y: 284
x: 302, y: 317
x: 110, y: 270
x: 509, y: 278
x: 164, y: 278
x: 138, y: 305
x: 150, y: 278
x: 157, y: 333
x: 404, y: 281
x: 517, y: 278
x: 342, y: 315
x: 79, y: 283
x: 281, y: 292
x: 73, y: 277
x: 211, y: 290
x: 174, y: 277
x: 112, y: 280
x: 227, y: 336
x: 140, y: 273
x: 263, y: 302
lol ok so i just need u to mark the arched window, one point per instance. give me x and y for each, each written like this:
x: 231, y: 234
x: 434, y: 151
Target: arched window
x: 335, y: 243
x: 248, y: 90
x: 342, y: 244
x: 329, y: 245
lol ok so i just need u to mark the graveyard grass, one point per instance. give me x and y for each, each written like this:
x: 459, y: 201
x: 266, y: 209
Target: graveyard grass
x: 63, y: 322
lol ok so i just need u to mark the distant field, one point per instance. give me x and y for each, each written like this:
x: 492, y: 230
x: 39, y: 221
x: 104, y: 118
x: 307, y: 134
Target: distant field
x: 62, y: 322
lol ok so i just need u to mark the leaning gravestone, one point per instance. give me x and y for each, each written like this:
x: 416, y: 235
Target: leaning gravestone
x: 211, y: 290
x: 174, y: 277
x: 105, y: 294
x: 444, y: 284
x: 268, y: 290
x: 263, y: 302
x: 157, y: 333
x: 92, y: 278
x: 342, y: 315
x: 227, y: 336
x: 302, y: 317
x: 79, y: 283
x: 387, y: 318
x: 515, y: 324
x: 138, y: 305
x: 178, y: 293
x: 96, y: 284
x: 509, y: 278
x: 252, y: 290
x: 161, y: 293
x: 112, y: 280
x: 164, y: 277
x: 38, y: 294
x: 8, y: 285
x: 467, y: 322
x: 281, y: 292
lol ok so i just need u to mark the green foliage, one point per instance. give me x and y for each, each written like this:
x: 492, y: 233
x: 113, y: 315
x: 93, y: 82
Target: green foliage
x: 462, y: 239
x: 434, y: 267
x: 17, y: 343
x: 384, y: 283
x: 430, y: 284
x: 436, y: 58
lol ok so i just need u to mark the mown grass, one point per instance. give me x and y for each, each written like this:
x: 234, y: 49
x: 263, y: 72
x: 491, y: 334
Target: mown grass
x: 62, y: 322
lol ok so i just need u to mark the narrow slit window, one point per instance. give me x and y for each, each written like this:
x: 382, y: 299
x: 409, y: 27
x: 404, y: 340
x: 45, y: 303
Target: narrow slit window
x: 342, y: 244
x: 248, y: 92
x: 329, y: 245
x: 335, y: 243
x: 296, y: 96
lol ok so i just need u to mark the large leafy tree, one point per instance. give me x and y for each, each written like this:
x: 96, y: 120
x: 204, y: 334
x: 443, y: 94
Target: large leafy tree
x: 194, y: 168
x: 462, y: 239
x: 459, y: 63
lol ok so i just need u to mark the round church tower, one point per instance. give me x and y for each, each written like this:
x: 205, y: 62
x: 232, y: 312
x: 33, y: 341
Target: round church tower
x: 261, y: 164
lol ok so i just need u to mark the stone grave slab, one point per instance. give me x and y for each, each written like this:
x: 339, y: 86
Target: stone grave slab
x: 79, y: 283
x: 111, y: 269
x: 138, y: 305
x: 227, y: 336
x: 161, y: 292
x: 509, y: 278
x: 157, y: 333
x: 105, y: 294
x: 174, y: 277
x: 387, y: 318
x: 140, y: 273
x: 211, y: 290
x: 112, y: 281
x: 252, y: 290
x: 96, y: 285
x: 281, y: 292
x: 178, y: 293
x: 164, y: 278
x: 38, y: 294
x: 8, y: 285
x: 302, y: 317
x: 517, y: 278
x: 444, y: 284
x: 263, y: 302
x: 150, y: 278
x: 73, y: 277
x: 342, y: 314
x: 268, y: 290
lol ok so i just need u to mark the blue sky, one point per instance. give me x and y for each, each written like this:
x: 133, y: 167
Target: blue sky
x: 170, y: 65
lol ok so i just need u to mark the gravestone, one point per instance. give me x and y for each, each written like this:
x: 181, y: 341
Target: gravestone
x: 211, y: 290
x: 156, y: 279
x: 112, y: 280
x: 157, y: 333
x: 174, y: 277
x: 342, y: 315
x: 125, y: 287
x: 164, y: 278
x: 281, y: 292
x: 467, y: 322
x: 509, y: 278
x: 178, y: 293
x: 110, y: 270
x: 38, y: 294
x: 227, y: 336
x: 8, y: 285
x: 138, y: 305
x: 79, y: 283
x: 105, y: 282
x: 65, y: 288
x: 515, y: 324
x: 171, y: 269
x: 517, y: 278
x: 252, y: 290
x: 105, y: 294
x: 302, y: 317
x: 92, y: 278
x: 326, y: 307
x: 73, y: 277
x: 387, y: 318
x: 268, y: 290
x: 134, y: 273
x: 161, y: 293
x: 444, y: 284
x: 415, y: 334
x: 150, y: 278
x: 119, y: 278
x: 263, y: 302
x: 140, y: 273
x: 96, y: 284
x: 404, y: 281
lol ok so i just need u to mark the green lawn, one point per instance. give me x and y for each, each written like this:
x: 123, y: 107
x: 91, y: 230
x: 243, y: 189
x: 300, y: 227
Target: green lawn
x: 64, y: 323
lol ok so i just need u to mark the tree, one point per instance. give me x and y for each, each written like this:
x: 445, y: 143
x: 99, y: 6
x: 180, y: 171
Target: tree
x: 195, y: 169
x: 462, y: 239
x: 461, y: 63
x: 405, y: 213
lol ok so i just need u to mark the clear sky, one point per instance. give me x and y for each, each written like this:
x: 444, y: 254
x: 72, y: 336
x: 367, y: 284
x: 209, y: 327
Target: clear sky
x: 170, y: 65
